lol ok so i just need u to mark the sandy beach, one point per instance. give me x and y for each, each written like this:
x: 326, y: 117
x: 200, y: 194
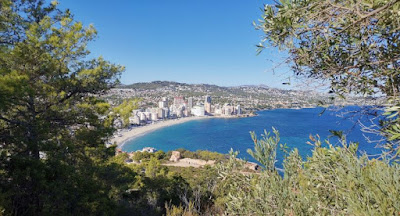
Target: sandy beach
x: 127, y: 135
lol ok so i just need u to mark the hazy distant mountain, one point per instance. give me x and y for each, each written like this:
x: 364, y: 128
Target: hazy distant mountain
x: 250, y: 96
x: 239, y: 90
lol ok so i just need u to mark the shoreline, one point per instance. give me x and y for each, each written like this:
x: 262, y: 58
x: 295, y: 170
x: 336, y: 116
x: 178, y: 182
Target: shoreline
x: 128, y: 135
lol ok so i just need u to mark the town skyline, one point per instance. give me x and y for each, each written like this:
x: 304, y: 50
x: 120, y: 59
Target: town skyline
x: 177, y: 99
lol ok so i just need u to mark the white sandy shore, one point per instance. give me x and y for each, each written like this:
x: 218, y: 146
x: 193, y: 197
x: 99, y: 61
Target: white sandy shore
x: 140, y: 131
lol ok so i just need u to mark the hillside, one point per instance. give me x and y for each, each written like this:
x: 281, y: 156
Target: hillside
x: 251, y: 97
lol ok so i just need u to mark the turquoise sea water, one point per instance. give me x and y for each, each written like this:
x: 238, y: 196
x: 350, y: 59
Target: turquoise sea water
x: 221, y: 135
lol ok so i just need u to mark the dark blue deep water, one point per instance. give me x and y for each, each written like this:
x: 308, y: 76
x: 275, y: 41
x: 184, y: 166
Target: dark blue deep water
x: 221, y: 135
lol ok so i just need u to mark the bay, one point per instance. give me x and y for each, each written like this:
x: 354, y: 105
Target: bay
x: 221, y: 134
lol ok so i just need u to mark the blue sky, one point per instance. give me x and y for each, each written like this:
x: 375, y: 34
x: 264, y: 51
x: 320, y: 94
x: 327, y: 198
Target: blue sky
x: 192, y: 41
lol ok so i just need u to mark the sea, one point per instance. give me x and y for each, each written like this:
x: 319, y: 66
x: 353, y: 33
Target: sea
x: 294, y: 125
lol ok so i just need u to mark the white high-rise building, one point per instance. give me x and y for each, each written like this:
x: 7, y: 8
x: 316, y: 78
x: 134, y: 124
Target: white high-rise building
x: 228, y: 110
x: 134, y: 120
x: 142, y: 116
x: 163, y: 103
x: 198, y: 111
x: 238, y: 110
x: 166, y: 112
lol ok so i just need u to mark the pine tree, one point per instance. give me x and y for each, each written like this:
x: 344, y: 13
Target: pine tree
x: 51, y: 136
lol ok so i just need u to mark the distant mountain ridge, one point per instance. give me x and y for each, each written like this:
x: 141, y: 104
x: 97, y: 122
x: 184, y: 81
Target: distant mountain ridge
x: 161, y: 84
x: 249, y: 96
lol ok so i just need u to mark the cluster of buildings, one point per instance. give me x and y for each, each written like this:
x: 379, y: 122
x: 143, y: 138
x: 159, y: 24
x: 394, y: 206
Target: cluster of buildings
x: 180, y: 107
x: 216, y: 110
x: 250, y: 97
x: 189, y: 100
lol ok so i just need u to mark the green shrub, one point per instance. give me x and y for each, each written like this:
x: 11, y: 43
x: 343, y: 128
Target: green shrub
x: 333, y: 181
